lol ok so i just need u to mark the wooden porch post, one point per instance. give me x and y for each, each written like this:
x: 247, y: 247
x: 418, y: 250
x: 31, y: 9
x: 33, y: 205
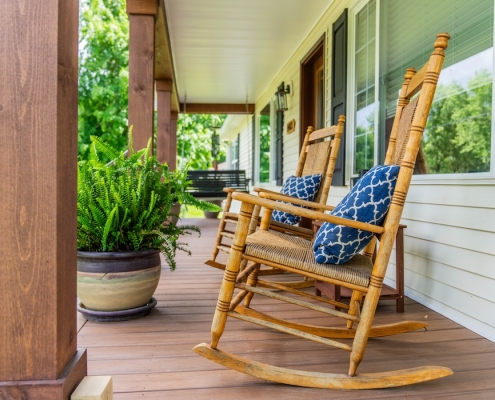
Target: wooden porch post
x: 173, y: 140
x: 142, y: 14
x: 163, y: 130
x: 38, y: 138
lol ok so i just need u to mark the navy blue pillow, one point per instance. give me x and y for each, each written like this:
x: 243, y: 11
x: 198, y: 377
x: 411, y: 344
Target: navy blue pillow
x: 368, y: 201
x: 304, y: 188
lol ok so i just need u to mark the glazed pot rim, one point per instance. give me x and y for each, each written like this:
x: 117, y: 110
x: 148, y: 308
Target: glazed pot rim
x: 116, y: 255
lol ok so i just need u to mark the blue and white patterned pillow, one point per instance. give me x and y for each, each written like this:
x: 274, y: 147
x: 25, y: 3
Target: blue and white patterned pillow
x: 368, y: 201
x: 304, y: 188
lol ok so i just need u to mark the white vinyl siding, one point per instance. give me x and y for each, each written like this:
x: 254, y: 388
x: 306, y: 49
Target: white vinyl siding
x: 450, y: 252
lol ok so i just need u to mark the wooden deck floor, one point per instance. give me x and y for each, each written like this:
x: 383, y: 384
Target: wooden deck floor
x: 151, y: 357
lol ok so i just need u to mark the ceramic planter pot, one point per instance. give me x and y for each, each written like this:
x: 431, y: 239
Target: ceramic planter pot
x: 175, y: 209
x: 213, y: 214
x: 113, y: 281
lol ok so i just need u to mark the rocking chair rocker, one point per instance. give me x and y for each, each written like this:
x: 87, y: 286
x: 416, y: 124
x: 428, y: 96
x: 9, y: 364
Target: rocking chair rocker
x: 360, y: 274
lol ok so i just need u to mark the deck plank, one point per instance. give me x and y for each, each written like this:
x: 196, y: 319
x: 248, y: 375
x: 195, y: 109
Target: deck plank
x: 151, y: 358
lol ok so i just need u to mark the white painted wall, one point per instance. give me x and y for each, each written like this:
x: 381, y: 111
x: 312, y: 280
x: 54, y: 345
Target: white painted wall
x: 450, y: 251
x: 450, y: 235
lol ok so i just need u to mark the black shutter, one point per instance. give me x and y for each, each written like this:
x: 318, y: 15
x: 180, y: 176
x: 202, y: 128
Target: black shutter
x: 238, y: 150
x: 339, y: 85
x: 279, y: 133
x: 253, y: 147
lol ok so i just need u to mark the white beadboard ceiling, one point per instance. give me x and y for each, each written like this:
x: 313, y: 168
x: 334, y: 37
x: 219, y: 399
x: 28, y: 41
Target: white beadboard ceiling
x: 227, y: 50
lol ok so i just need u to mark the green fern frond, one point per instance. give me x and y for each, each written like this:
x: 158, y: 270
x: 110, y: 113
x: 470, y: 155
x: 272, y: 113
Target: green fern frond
x: 99, y: 145
x: 106, y: 230
x: 125, y: 205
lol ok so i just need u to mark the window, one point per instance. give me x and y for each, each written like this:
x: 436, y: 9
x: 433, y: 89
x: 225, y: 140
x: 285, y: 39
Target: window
x: 264, y: 143
x: 234, y: 153
x: 365, y: 45
x: 458, y: 135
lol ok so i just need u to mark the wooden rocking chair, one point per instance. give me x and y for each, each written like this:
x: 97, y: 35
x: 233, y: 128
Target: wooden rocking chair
x: 359, y: 274
x: 318, y: 156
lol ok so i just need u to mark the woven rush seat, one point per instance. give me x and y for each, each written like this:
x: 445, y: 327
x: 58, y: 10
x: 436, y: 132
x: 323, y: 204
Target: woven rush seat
x: 297, y: 253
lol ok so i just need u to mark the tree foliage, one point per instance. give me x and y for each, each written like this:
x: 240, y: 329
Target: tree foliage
x: 194, y: 140
x: 458, y: 134
x: 103, y: 88
x: 265, y: 138
x: 365, y: 143
x: 103, y: 73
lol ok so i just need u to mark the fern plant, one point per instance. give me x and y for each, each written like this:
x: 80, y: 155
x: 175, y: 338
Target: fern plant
x: 125, y: 205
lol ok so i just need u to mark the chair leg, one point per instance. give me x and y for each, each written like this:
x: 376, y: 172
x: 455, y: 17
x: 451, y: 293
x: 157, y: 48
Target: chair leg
x: 354, y: 305
x: 230, y: 275
x: 254, y: 219
x: 399, y: 265
x: 363, y: 328
x: 221, y: 226
x: 252, y: 281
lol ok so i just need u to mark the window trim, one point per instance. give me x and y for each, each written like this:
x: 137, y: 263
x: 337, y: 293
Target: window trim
x: 351, y: 88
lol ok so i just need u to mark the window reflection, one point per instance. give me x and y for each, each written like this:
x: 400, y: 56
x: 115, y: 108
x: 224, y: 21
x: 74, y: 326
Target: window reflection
x: 265, y: 131
x: 458, y: 134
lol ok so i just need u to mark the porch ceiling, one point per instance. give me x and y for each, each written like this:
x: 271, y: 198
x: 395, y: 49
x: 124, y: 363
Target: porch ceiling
x: 226, y: 50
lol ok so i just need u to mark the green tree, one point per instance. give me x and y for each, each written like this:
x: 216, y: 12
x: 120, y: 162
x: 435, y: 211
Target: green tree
x: 103, y: 73
x: 265, y: 134
x: 365, y: 143
x: 475, y: 123
x: 194, y: 139
x: 441, y: 153
x: 458, y: 134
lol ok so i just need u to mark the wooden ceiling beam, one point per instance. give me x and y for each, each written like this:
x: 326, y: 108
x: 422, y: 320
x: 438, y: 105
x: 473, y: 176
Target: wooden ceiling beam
x: 211, y: 108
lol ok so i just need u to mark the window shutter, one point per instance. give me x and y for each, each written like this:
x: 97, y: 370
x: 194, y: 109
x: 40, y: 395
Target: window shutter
x: 279, y: 147
x: 339, y: 85
x: 253, y: 147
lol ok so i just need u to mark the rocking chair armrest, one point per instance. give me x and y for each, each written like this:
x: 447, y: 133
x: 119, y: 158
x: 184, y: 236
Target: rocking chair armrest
x: 294, y: 200
x: 260, y: 189
x: 229, y: 190
x: 304, y: 212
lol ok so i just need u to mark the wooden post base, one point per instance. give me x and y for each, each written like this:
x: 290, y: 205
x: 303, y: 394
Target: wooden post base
x: 60, y: 388
x: 94, y: 388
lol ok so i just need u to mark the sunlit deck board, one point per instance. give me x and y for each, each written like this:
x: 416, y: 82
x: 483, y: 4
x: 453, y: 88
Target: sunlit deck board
x: 151, y: 358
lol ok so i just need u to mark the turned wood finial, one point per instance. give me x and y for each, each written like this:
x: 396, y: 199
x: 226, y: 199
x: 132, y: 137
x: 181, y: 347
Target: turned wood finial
x: 341, y: 118
x: 442, y: 41
x: 410, y: 72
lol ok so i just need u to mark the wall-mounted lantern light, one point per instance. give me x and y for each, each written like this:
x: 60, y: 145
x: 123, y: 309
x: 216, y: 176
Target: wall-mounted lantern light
x: 282, y: 93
